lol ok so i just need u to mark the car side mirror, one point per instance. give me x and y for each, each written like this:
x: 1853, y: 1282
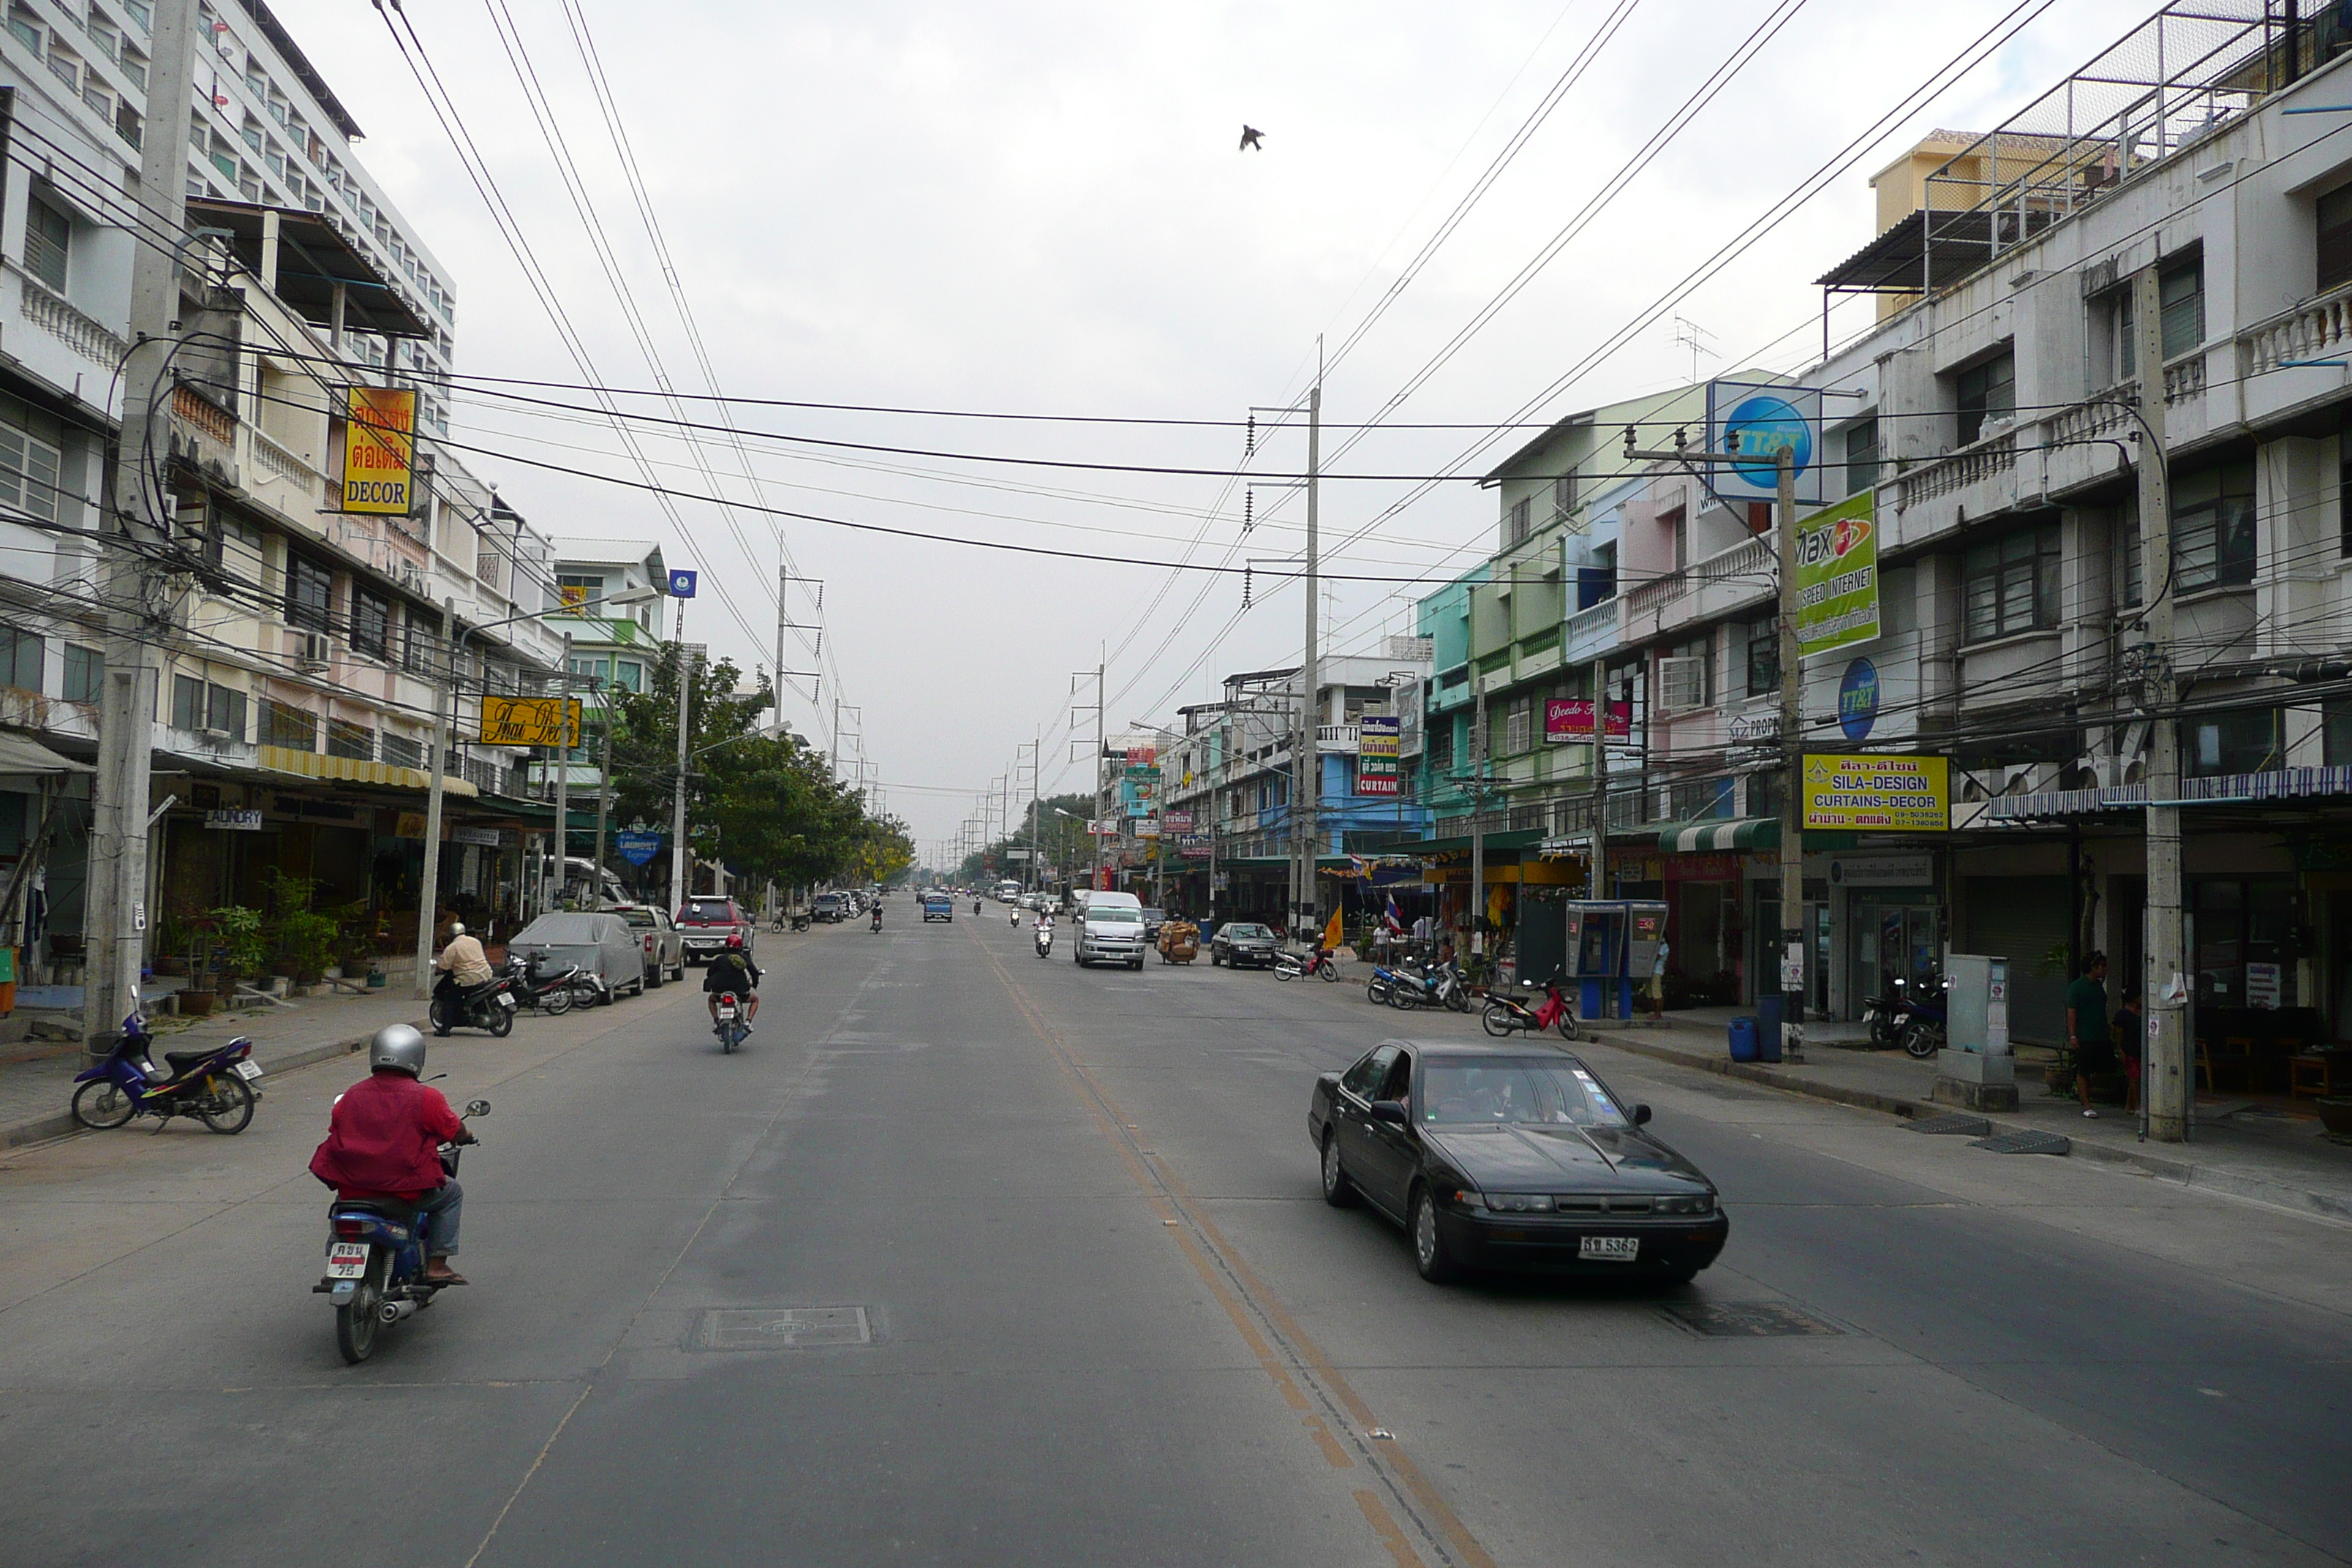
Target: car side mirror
x: 1640, y: 1116
x: 1390, y: 1110
x: 477, y: 1108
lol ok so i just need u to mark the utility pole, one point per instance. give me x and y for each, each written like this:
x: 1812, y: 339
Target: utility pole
x: 1793, y: 745
x: 678, y: 860
x: 1095, y: 767
x: 2167, y: 1092
x: 1309, y: 779
x: 137, y: 590
x: 1597, y: 857
x: 566, y: 739
x: 604, y: 778
x: 428, y: 899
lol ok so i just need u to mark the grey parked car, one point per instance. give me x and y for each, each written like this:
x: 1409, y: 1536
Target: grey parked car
x: 599, y: 944
x: 665, y: 945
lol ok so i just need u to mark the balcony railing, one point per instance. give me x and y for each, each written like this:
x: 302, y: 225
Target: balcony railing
x: 1971, y: 465
x: 91, y: 339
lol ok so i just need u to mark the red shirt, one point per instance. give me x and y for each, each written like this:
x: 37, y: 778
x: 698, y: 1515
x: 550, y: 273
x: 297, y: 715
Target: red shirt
x: 384, y: 1138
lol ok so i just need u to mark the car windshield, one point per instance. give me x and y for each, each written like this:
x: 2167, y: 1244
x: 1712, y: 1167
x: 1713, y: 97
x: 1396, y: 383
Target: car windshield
x: 1151, y: 915
x: 636, y: 917
x: 1244, y: 930
x: 1505, y: 1091
x: 1115, y: 916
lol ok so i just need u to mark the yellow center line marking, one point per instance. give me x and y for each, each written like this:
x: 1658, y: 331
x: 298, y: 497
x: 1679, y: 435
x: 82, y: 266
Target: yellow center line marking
x: 1232, y: 1282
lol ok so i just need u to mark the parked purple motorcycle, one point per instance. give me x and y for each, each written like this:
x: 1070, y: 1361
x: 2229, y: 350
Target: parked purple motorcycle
x: 215, y: 1086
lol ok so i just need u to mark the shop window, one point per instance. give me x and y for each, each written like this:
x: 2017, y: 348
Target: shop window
x: 2213, y: 527
x: 282, y: 724
x: 84, y: 673
x: 1986, y: 392
x: 355, y: 741
x: 1700, y: 798
x: 1860, y: 456
x: 20, y: 659
x: 402, y: 752
x: 2335, y: 238
x: 371, y: 623
x: 2011, y: 585
x: 187, y: 703
x: 310, y: 594
x: 2216, y: 744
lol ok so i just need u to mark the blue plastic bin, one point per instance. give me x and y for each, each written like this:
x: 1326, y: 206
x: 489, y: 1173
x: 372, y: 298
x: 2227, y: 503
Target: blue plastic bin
x: 1743, y: 1039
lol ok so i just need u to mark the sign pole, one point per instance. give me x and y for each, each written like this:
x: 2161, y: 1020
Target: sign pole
x: 1792, y: 801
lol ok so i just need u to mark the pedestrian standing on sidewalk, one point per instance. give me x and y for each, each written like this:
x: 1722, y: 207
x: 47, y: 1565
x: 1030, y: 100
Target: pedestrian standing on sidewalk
x: 1658, y: 981
x: 2086, y: 1028
x: 2131, y: 1029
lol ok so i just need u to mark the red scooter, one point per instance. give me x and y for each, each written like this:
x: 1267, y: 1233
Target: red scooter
x: 1504, y: 1015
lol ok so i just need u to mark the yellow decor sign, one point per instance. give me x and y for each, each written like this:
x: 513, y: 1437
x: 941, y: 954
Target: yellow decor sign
x: 1879, y: 794
x: 530, y: 722
x: 379, y: 449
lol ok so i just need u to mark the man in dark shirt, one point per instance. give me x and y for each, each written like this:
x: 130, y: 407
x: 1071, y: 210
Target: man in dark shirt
x: 733, y: 971
x: 2086, y: 1026
x: 384, y: 1138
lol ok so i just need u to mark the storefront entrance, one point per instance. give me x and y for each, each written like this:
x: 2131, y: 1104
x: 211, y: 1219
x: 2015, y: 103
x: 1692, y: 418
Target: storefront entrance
x: 1892, y: 939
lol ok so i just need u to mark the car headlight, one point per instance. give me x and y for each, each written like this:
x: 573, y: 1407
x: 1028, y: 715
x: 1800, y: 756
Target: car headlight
x: 1694, y: 1203
x: 1519, y: 1202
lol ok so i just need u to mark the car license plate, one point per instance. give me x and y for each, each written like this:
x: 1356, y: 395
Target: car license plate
x: 347, y: 1260
x: 506, y: 999
x: 1609, y: 1248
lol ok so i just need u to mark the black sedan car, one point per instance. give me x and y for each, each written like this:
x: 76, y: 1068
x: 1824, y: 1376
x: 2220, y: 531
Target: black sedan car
x: 1510, y: 1156
x: 1239, y: 944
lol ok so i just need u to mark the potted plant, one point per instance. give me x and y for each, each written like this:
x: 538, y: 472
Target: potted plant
x: 305, y: 939
x: 238, y: 945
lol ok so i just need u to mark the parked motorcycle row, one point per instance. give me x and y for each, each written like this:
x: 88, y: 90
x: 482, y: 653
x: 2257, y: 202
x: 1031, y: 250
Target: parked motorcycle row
x: 1911, y: 1015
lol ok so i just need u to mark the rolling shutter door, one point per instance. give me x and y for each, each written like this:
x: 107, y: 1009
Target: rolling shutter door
x: 2021, y: 919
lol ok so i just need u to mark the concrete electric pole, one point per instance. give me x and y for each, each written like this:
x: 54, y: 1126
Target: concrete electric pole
x: 2168, y: 1088
x: 678, y: 859
x: 137, y: 589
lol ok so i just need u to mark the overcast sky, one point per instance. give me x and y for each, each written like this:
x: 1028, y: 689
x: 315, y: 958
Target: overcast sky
x: 1042, y: 209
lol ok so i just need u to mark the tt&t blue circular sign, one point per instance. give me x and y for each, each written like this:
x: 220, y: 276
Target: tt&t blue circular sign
x: 1758, y: 429
x: 1858, y: 700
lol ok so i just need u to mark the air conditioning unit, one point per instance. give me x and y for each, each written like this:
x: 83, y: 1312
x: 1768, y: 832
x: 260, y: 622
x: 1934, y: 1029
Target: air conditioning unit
x: 411, y: 576
x: 1682, y: 684
x: 218, y: 737
x: 313, y: 651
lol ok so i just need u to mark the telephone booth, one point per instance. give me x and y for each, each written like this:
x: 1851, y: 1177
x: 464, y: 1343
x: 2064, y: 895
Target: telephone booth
x: 1613, y: 944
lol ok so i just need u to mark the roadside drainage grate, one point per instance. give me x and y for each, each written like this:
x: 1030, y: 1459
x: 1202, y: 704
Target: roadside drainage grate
x: 2025, y: 1143
x: 1746, y: 1319
x: 1975, y: 1126
x: 781, y: 1328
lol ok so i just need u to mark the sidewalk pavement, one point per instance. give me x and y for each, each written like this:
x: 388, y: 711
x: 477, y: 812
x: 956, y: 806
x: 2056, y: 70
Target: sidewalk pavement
x: 2252, y: 1148
x: 36, y: 1096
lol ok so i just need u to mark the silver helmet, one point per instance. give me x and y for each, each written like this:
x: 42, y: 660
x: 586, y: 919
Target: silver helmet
x: 398, y: 1047
x: 456, y: 930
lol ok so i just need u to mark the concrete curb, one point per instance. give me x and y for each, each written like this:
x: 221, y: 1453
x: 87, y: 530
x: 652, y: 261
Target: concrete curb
x: 41, y: 1129
x: 2185, y: 1172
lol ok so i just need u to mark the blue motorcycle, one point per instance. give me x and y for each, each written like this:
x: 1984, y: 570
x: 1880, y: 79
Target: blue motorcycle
x: 215, y: 1086
x: 1438, y: 986
x: 377, y: 1260
x: 1921, y: 1013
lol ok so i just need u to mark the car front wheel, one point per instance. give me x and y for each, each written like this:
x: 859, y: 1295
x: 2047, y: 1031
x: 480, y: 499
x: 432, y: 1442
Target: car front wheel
x: 1429, y: 1251
x: 1337, y: 1190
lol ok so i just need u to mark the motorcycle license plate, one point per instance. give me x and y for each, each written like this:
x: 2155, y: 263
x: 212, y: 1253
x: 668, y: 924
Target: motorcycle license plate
x: 1609, y: 1248
x: 727, y: 1015
x: 347, y: 1260
x: 506, y: 1000
x: 249, y: 1071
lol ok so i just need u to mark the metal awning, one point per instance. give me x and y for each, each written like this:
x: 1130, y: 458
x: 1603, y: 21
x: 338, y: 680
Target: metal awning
x: 1720, y: 833
x: 23, y: 754
x: 1898, y: 262
x: 351, y: 770
x: 313, y: 260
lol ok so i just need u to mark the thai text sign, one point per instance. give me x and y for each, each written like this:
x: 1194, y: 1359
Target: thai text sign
x: 1176, y: 821
x: 1571, y: 719
x: 1376, y: 754
x: 1882, y: 794
x: 379, y: 449
x: 530, y: 722
x: 1193, y: 845
x: 1837, y: 577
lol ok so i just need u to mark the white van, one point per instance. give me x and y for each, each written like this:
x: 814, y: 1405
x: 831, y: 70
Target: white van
x: 1111, y: 929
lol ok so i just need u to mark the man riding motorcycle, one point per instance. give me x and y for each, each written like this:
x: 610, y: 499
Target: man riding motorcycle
x: 463, y: 963
x: 732, y: 970
x: 384, y: 1138
x: 877, y: 914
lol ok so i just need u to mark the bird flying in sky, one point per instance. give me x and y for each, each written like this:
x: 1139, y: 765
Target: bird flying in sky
x: 1250, y: 143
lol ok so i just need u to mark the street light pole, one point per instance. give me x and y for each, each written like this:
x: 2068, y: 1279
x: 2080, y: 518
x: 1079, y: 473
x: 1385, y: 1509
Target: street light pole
x: 564, y: 782
x: 677, y: 857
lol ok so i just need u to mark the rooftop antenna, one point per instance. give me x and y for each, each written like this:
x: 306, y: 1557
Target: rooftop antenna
x: 1690, y: 334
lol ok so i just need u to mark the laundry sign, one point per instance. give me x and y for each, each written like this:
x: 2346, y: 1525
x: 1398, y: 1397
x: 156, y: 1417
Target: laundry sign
x: 234, y: 821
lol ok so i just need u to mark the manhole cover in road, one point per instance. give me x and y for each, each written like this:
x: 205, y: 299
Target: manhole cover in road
x: 782, y: 1328
x: 1975, y: 1126
x: 1746, y: 1319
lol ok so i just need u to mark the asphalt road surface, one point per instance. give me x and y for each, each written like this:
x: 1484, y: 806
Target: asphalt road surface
x: 972, y: 1259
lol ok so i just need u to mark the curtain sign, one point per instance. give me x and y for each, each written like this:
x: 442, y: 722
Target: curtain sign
x: 1885, y: 794
x: 379, y: 449
x: 1376, y: 754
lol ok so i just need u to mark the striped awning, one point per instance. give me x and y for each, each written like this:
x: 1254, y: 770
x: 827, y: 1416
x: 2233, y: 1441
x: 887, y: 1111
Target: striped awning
x: 351, y: 770
x: 1720, y: 833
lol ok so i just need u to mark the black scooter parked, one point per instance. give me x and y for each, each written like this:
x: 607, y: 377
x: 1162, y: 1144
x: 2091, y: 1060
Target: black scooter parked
x: 541, y: 990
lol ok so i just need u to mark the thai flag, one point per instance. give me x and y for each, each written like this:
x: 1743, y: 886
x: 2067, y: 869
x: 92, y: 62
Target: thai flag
x: 1393, y: 916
